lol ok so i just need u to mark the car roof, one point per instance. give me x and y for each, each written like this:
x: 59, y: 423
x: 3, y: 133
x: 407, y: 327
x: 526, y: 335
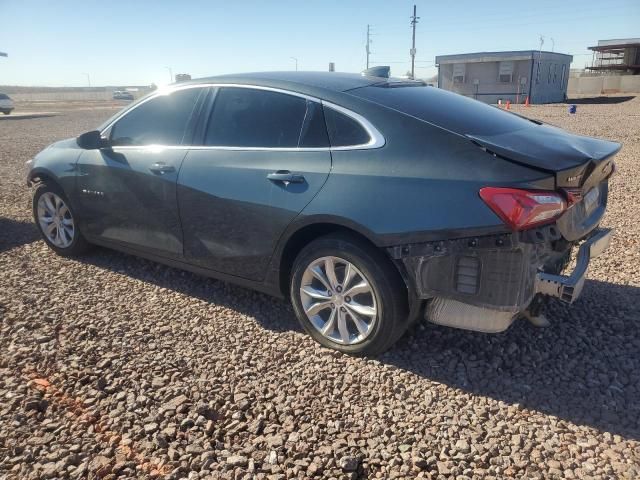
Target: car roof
x: 307, y: 82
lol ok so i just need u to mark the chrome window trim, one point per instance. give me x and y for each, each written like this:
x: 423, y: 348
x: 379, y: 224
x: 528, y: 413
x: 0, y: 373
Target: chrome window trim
x: 376, y: 139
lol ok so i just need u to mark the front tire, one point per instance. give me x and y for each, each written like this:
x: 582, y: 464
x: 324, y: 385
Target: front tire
x: 348, y: 296
x: 56, y: 221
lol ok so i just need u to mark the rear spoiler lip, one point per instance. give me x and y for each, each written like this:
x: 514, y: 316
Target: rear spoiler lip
x: 579, y: 162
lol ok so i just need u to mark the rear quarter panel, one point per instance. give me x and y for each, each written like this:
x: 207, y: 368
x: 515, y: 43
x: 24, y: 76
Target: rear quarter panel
x: 422, y: 185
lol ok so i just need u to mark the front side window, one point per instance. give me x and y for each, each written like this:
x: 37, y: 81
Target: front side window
x: 255, y: 118
x: 161, y: 120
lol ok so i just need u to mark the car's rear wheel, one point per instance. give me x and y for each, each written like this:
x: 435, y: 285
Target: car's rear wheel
x: 348, y: 296
x: 56, y: 221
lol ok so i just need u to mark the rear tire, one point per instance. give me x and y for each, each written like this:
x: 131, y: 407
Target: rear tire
x: 56, y: 221
x: 348, y: 296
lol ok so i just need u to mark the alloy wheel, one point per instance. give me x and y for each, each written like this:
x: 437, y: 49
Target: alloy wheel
x: 55, y: 219
x: 338, y: 300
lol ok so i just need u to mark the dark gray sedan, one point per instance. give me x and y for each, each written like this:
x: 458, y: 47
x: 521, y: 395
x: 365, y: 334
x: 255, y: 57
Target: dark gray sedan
x: 368, y: 201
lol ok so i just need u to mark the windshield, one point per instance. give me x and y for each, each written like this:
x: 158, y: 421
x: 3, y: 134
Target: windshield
x: 448, y: 110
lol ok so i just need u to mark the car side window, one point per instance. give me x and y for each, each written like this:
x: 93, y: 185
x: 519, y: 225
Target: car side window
x: 160, y: 121
x: 248, y: 117
x: 343, y: 130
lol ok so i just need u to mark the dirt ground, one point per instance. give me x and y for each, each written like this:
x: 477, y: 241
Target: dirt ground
x: 112, y: 366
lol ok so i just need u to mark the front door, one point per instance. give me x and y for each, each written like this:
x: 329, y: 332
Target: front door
x: 127, y: 193
x: 264, y: 157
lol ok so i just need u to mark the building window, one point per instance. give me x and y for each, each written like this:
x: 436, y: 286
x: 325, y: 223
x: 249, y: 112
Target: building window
x: 562, y: 74
x: 549, y: 75
x: 505, y: 72
x: 458, y: 72
x: 538, y: 73
x: 555, y: 73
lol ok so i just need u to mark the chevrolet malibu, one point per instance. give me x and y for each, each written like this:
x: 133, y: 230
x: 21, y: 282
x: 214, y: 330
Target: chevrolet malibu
x: 368, y: 201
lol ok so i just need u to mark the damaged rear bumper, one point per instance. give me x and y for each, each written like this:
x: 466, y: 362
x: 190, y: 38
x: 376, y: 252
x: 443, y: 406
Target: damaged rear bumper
x: 483, y: 283
x: 568, y: 288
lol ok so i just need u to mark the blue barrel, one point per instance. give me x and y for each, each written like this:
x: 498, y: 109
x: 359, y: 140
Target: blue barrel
x: 573, y: 108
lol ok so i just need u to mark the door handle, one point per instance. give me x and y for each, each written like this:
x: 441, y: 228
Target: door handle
x: 162, y: 168
x: 285, y: 176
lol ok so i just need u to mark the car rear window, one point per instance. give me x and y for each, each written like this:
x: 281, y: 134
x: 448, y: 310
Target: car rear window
x: 446, y: 109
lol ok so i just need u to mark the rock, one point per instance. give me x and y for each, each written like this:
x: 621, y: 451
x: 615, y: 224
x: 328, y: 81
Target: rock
x: 237, y: 461
x: 462, y: 446
x: 257, y: 426
x: 444, y: 468
x: 186, y: 424
x: 420, y: 463
x: 100, y: 465
x: 348, y: 463
x: 175, y: 402
x: 49, y: 470
x: 275, y: 441
x: 150, y: 428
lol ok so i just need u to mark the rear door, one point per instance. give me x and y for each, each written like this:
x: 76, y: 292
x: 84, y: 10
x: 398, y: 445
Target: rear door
x: 264, y: 156
x: 127, y: 194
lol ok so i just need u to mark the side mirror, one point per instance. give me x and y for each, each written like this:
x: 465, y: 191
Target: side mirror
x: 92, y: 140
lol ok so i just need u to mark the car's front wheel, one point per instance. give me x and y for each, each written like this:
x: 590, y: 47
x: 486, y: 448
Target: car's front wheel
x: 56, y: 221
x: 348, y: 296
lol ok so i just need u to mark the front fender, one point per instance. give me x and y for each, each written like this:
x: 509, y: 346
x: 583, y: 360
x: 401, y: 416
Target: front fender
x: 58, y: 163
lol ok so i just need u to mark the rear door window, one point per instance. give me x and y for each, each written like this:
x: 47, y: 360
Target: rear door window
x: 162, y: 120
x: 256, y: 118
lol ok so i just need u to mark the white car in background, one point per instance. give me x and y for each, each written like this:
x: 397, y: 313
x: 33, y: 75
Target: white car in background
x: 6, y: 104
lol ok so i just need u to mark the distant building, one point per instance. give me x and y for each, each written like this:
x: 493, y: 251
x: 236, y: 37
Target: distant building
x: 182, y: 77
x: 492, y: 76
x: 617, y: 56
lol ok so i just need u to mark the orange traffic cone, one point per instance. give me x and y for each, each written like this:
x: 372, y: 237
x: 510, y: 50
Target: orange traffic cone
x: 508, y: 107
x: 526, y: 102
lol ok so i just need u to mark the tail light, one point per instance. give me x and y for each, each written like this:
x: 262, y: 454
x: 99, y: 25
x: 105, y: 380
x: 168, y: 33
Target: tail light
x: 521, y: 209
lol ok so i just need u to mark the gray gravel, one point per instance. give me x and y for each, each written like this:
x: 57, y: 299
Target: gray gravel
x: 113, y: 366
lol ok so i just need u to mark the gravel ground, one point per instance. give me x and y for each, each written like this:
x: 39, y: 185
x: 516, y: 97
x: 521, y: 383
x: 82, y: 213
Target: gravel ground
x: 113, y: 366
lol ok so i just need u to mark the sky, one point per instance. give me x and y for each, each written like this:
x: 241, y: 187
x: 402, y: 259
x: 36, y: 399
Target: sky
x: 139, y: 42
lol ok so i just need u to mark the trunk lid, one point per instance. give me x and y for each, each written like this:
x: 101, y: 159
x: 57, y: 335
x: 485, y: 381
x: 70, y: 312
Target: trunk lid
x: 575, y: 160
x: 580, y: 164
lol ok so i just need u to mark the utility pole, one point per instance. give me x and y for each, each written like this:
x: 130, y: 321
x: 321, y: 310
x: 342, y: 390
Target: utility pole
x: 295, y: 60
x: 170, y: 74
x: 414, y: 20
x: 88, y: 79
x: 368, y: 50
x: 553, y: 44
